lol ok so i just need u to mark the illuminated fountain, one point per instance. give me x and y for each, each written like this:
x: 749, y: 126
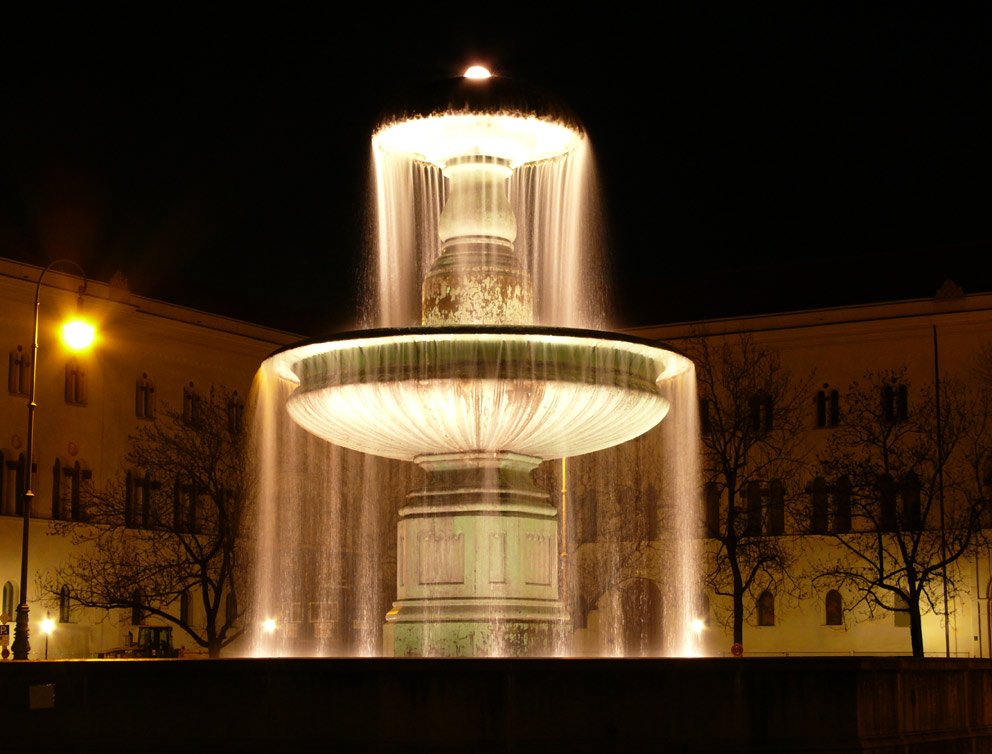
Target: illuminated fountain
x: 480, y: 393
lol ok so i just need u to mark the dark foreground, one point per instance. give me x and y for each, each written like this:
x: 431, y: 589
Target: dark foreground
x: 706, y: 705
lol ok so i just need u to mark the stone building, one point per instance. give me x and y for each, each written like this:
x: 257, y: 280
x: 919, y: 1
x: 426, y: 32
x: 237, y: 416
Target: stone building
x: 148, y: 354
x: 945, y: 335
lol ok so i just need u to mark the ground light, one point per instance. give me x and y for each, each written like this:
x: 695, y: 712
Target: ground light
x: 269, y: 625
x: 47, y: 626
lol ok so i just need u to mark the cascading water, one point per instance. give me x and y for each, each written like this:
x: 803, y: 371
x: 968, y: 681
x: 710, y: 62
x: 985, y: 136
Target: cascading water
x: 495, y: 380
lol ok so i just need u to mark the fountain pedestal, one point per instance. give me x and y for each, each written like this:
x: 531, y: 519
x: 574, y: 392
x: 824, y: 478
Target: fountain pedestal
x: 477, y: 562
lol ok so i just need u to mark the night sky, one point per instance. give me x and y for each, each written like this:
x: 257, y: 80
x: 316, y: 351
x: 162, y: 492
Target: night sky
x: 753, y: 156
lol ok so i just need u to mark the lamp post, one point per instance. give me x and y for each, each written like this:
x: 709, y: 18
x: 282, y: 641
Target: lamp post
x: 22, y: 646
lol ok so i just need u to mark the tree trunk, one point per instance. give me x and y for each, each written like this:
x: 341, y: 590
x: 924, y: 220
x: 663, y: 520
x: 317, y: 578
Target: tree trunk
x: 213, y: 649
x: 738, y: 615
x: 916, y: 627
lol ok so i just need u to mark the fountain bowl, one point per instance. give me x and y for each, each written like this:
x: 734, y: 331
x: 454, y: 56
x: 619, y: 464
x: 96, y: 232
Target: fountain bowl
x: 420, y: 392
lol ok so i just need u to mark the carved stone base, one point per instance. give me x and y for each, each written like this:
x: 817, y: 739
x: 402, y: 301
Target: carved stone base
x: 477, y: 562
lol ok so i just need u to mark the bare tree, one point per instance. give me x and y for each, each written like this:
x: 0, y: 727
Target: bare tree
x: 169, y: 529
x: 753, y: 433
x: 909, y: 493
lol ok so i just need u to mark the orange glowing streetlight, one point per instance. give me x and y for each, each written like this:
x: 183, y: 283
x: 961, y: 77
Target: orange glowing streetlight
x: 77, y: 335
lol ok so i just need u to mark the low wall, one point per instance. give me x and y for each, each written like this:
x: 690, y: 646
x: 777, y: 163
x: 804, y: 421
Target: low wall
x: 358, y: 705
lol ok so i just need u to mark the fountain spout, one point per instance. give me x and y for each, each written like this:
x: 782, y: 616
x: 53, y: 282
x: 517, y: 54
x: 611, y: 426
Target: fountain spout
x: 478, y: 279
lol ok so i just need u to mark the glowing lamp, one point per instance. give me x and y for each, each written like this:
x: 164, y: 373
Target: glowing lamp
x: 477, y: 72
x: 47, y: 625
x: 269, y: 625
x: 697, y: 626
x: 78, y: 335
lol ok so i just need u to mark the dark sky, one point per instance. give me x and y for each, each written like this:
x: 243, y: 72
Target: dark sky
x: 753, y: 156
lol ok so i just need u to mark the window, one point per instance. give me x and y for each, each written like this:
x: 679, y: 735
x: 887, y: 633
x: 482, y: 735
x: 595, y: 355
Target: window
x: 895, y: 402
x: 75, y: 383
x: 64, y: 600
x: 887, y: 503
x: 9, y: 605
x: 19, y: 372
x: 184, y: 508
x: 184, y: 604
x: 144, y: 398
x: 765, y: 509
x: 761, y: 413
x: 137, y: 607
x: 705, y: 418
x: 712, y: 510
x: 13, y: 486
x: 834, y: 608
x: 72, y: 493
x: 911, y: 510
x: 766, y: 609
x: 191, y: 405
x: 235, y: 414
x: 827, y: 407
x: 588, y: 519
x: 137, y: 500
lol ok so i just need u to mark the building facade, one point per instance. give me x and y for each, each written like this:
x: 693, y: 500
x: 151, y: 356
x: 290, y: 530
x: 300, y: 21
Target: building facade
x: 147, y: 355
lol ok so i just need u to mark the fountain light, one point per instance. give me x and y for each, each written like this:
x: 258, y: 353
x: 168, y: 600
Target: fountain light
x: 477, y: 72
x: 269, y: 625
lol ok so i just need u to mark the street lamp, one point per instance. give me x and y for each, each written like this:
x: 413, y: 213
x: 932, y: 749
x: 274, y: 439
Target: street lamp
x: 22, y: 646
x: 47, y: 626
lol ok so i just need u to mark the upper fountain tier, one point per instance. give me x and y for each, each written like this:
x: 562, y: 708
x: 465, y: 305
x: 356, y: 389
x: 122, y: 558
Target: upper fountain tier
x: 495, y: 117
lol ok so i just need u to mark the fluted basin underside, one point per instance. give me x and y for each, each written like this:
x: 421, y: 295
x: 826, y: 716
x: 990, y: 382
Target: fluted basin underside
x: 541, y: 392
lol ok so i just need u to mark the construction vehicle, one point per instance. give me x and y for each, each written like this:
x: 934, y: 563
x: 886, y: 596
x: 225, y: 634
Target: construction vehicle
x: 153, y: 642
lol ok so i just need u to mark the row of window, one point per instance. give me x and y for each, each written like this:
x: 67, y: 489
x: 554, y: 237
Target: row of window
x: 833, y: 607
x: 76, y: 393
x: 899, y: 506
x: 8, y: 604
x: 894, y: 407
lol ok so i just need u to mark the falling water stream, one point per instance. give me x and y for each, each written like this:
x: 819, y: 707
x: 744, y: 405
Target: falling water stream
x: 325, y: 526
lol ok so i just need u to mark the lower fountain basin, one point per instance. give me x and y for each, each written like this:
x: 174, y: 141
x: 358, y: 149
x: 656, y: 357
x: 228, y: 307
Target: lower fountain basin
x: 541, y: 392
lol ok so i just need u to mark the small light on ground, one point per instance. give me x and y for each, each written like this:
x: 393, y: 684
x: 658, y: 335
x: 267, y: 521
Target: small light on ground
x: 697, y: 626
x: 269, y: 626
x: 477, y: 72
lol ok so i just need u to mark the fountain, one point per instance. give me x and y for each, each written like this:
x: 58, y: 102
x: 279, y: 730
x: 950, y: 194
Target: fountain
x: 484, y: 389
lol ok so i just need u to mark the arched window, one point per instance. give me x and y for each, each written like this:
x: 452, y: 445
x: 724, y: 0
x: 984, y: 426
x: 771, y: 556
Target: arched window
x: 834, y: 607
x: 64, y: 599
x: 235, y: 414
x: 19, y: 372
x: 184, y: 607
x: 766, y: 609
x: 75, y: 383
x: 911, y: 510
x: 842, y: 505
x: 9, y: 595
x: 191, y: 404
x: 137, y: 607
x: 144, y: 398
